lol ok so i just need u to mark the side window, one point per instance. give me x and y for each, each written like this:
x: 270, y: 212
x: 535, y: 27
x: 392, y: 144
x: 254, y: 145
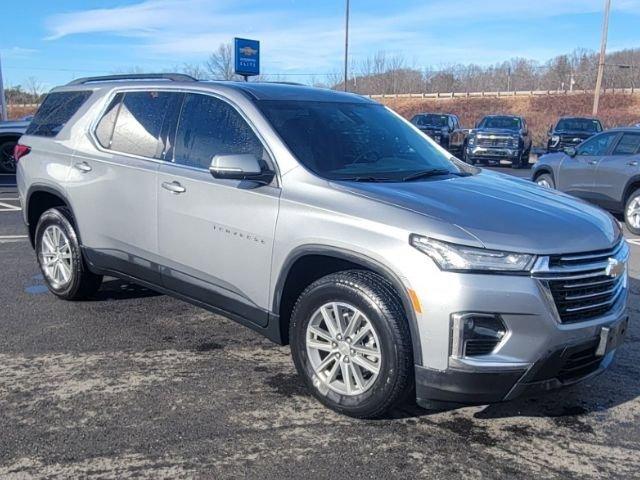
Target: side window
x: 209, y: 126
x: 628, y: 144
x: 598, y: 145
x: 56, y: 110
x: 139, y: 123
x: 104, y: 130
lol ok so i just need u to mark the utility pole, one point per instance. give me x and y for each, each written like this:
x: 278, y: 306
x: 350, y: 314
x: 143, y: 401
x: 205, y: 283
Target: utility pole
x: 603, y: 54
x: 346, y: 45
x: 3, y: 101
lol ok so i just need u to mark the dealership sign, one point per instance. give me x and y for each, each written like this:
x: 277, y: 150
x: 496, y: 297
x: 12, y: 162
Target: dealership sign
x: 247, y: 57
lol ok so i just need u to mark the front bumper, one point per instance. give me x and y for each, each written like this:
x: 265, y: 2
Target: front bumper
x: 492, y: 153
x: 560, y: 367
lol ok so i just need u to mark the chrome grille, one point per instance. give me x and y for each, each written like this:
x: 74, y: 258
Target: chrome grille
x: 580, y: 284
x: 500, y: 142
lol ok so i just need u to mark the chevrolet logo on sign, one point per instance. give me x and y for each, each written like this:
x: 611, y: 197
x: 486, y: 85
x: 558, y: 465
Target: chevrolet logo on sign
x: 615, y: 268
x: 248, y: 51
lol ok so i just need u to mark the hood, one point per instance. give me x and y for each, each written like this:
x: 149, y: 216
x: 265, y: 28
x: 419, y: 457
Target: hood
x: 502, y: 212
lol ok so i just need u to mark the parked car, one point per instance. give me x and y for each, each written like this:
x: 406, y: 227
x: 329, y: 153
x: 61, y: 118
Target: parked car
x: 603, y: 170
x: 496, y: 138
x: 439, y: 126
x: 324, y: 220
x: 570, y: 132
x: 10, y: 132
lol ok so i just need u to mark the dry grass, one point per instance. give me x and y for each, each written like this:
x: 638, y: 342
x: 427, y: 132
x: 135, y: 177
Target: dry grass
x: 18, y: 111
x: 540, y: 112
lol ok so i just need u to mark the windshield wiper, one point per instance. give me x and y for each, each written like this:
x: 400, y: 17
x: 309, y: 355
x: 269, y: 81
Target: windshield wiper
x: 364, y: 179
x: 428, y: 173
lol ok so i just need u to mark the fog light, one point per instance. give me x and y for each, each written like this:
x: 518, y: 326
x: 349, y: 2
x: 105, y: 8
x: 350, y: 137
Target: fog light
x: 475, y: 334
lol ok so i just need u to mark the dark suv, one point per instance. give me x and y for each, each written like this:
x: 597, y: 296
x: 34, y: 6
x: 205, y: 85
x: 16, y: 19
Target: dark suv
x: 499, y: 137
x: 438, y: 126
x: 571, y: 131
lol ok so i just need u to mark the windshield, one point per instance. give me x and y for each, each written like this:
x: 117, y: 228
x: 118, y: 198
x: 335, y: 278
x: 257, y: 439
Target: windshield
x: 579, y: 125
x: 507, y: 123
x: 354, y: 141
x: 431, y: 120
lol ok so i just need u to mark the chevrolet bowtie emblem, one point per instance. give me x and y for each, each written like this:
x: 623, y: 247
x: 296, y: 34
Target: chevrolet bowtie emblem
x: 615, y: 268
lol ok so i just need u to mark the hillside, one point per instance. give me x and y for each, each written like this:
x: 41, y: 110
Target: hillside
x: 616, y: 109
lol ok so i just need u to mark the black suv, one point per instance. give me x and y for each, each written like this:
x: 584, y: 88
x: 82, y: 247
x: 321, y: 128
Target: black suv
x: 438, y: 126
x: 571, y: 131
x: 499, y: 137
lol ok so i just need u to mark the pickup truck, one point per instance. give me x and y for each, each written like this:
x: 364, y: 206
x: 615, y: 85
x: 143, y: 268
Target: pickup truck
x: 10, y: 132
x: 439, y: 126
x: 496, y: 138
x: 571, y: 132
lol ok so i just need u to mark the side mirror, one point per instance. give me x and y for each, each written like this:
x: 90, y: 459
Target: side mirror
x: 550, y: 130
x: 241, y: 166
x: 571, y: 151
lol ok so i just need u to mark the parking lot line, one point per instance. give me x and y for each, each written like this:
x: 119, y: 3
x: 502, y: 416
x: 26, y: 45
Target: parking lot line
x: 9, y: 208
x: 12, y: 238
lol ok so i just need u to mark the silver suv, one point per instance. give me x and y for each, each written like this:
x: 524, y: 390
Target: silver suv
x: 326, y: 221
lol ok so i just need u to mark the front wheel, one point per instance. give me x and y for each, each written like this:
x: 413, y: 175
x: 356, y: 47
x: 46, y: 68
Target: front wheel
x: 60, y: 257
x: 632, y: 212
x: 545, y: 180
x: 351, y: 344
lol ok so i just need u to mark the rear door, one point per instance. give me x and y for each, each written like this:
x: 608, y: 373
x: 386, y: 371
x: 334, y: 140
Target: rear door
x: 114, y: 188
x: 616, y: 168
x: 216, y: 236
x: 577, y: 174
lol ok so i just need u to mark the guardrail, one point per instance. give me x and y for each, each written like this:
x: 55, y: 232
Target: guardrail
x: 513, y: 93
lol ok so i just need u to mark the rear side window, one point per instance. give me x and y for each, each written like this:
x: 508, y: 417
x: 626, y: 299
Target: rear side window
x: 628, y: 144
x: 139, y: 123
x: 55, y: 111
x: 104, y: 130
x: 208, y: 127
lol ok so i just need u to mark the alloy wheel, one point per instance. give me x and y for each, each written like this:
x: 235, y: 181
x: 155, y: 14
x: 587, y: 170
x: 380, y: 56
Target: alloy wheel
x: 56, y: 257
x: 343, y: 348
x: 633, y: 212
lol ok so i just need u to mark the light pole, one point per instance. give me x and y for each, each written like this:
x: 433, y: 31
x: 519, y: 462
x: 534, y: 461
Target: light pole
x: 603, y: 54
x: 3, y: 101
x: 346, y: 45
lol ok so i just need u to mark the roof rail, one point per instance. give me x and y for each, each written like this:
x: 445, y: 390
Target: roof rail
x: 174, y: 77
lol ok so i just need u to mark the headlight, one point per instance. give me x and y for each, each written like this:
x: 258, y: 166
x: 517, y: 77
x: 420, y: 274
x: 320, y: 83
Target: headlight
x: 449, y: 256
x: 471, y: 141
x: 555, y: 139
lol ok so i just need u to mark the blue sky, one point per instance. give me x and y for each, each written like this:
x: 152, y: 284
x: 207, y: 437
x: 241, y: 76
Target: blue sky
x: 55, y: 41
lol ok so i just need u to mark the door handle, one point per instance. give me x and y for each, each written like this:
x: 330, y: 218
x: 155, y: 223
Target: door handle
x: 173, y: 187
x: 632, y: 163
x: 84, y: 167
x: 593, y: 162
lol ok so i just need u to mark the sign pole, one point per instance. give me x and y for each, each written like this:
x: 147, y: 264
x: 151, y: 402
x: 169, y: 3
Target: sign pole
x: 3, y: 101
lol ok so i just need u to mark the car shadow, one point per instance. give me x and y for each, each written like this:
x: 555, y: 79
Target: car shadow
x: 116, y: 289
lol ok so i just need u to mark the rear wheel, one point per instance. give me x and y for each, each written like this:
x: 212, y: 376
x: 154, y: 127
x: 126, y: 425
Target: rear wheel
x: 351, y: 343
x: 545, y: 180
x: 60, y: 257
x: 7, y: 163
x: 632, y: 212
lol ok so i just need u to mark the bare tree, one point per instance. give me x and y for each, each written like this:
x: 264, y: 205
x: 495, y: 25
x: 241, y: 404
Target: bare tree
x: 34, y: 87
x: 196, y: 70
x: 219, y: 66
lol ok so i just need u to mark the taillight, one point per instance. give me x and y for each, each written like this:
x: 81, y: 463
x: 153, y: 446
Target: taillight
x: 20, y: 151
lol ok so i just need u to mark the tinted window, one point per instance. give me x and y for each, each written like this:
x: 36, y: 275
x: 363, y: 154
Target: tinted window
x: 104, y: 130
x: 347, y: 141
x: 431, y: 120
x: 598, y: 145
x: 55, y: 111
x: 628, y: 144
x: 208, y: 127
x: 579, y: 125
x: 507, y: 123
x: 139, y: 123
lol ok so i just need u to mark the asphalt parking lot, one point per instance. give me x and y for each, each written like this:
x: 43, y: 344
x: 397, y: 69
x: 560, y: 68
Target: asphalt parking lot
x: 137, y: 384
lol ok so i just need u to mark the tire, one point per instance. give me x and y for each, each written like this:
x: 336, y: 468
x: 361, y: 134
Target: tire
x: 545, y: 180
x: 7, y: 163
x: 55, y: 226
x: 632, y: 212
x: 378, y: 304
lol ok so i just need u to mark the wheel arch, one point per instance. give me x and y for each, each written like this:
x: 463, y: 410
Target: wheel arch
x: 632, y: 184
x: 39, y: 199
x: 296, y: 275
x: 542, y: 170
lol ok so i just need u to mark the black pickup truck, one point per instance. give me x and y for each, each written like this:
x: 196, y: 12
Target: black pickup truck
x: 571, y: 131
x: 495, y: 138
x: 439, y: 126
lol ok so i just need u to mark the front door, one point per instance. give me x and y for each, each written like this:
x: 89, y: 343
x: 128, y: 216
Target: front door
x: 616, y: 169
x: 577, y: 174
x: 216, y: 236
